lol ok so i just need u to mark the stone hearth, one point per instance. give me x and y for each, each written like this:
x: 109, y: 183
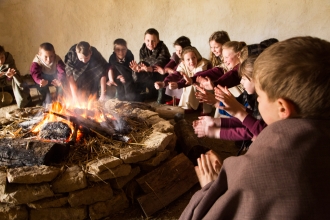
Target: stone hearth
x: 97, y: 187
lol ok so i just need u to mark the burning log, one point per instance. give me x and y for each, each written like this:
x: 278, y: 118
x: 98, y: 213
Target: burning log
x: 58, y: 131
x: 20, y: 152
x: 94, y: 127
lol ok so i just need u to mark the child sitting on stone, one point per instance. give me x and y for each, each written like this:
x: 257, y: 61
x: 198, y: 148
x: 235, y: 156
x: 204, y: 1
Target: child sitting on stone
x: 120, y: 74
x: 192, y: 63
x: 152, y: 53
x: 179, y: 44
x: 10, y: 77
x: 284, y: 173
x: 48, y: 69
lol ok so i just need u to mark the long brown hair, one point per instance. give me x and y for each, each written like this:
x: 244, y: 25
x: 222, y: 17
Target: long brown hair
x: 221, y: 37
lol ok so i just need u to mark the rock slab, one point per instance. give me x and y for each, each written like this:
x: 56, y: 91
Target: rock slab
x: 72, y: 179
x: 59, y: 214
x: 97, y: 193
x: 32, y: 174
x: 103, y: 209
x: 21, y: 194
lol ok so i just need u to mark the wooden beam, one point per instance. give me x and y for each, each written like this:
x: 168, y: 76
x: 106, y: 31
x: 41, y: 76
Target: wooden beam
x: 166, y: 183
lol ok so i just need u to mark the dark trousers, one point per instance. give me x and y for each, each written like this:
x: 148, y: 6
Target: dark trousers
x: 126, y: 91
x: 147, y: 80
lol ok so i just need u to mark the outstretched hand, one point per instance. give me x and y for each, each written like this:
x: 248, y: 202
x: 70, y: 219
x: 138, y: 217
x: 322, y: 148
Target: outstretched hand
x: 205, y: 170
x: 172, y: 85
x: 186, y: 78
x: 10, y: 73
x: 231, y: 105
x: 56, y: 83
x: 111, y: 83
x: 159, y: 70
x: 204, y: 127
x: 134, y: 66
x: 121, y: 79
x: 145, y: 68
x: 205, y: 82
x: 159, y: 85
x: 205, y: 96
x: 43, y: 83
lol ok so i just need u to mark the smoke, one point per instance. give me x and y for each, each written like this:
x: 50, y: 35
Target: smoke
x: 30, y: 124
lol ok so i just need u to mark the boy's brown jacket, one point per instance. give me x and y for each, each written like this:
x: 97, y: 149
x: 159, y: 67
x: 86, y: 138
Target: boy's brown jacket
x: 284, y: 175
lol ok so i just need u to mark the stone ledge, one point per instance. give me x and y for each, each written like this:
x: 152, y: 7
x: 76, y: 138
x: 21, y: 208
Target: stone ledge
x: 32, y: 174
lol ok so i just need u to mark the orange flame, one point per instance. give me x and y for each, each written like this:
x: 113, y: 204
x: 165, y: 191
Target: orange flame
x: 64, y: 105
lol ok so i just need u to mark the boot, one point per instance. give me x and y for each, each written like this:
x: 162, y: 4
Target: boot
x: 161, y: 96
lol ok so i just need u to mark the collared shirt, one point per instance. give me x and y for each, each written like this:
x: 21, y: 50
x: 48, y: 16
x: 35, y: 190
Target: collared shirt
x: 121, y: 60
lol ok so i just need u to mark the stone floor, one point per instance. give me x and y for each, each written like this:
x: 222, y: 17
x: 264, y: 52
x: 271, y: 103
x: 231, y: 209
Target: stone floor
x: 172, y: 211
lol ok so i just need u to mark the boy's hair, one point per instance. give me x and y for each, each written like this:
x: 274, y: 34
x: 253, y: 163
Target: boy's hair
x: 152, y: 31
x: 120, y: 42
x: 246, y: 68
x: 84, y: 48
x: 236, y: 46
x: 221, y: 37
x: 47, y: 47
x: 2, y: 50
x: 297, y: 70
x: 191, y: 49
x: 182, y: 41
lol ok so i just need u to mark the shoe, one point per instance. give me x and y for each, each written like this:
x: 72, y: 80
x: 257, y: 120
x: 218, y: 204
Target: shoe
x: 161, y: 96
x: 171, y: 102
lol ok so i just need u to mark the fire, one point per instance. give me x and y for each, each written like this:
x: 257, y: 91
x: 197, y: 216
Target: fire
x: 65, y: 107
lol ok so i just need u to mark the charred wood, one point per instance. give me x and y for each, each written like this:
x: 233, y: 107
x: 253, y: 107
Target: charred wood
x: 93, y: 126
x: 20, y: 152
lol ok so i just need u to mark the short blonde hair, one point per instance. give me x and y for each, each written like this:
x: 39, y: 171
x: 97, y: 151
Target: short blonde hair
x: 297, y: 70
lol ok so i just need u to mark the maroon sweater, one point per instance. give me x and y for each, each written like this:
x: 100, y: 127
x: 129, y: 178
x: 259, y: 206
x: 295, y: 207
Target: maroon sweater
x: 177, y: 77
x: 235, y: 130
x: 218, y: 77
x: 36, y: 71
x: 174, y: 62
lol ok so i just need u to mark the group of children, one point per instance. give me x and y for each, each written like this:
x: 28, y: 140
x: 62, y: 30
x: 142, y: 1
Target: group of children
x: 85, y: 73
x: 283, y: 175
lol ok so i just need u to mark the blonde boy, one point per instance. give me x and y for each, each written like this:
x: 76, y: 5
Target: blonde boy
x: 48, y: 69
x: 284, y: 175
